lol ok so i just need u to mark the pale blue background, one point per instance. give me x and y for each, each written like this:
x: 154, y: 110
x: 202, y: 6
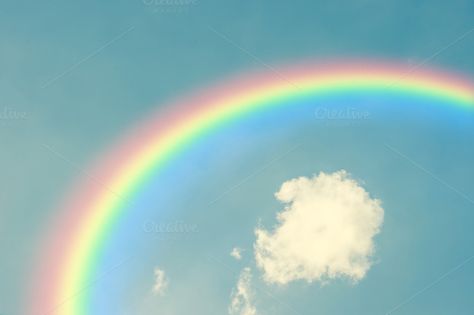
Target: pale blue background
x: 116, y: 60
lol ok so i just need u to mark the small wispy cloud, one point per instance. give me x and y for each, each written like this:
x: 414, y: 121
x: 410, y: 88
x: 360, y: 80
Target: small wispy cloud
x: 242, y: 297
x: 236, y: 253
x: 161, y: 282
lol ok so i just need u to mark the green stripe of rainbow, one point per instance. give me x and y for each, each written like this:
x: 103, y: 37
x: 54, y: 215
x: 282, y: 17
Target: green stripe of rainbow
x: 93, y: 211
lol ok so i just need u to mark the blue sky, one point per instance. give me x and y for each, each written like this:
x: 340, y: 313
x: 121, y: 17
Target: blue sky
x: 77, y: 74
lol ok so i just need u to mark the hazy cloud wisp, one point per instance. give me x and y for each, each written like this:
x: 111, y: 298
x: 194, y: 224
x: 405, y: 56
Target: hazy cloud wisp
x: 161, y: 282
x: 236, y: 253
x: 242, y: 298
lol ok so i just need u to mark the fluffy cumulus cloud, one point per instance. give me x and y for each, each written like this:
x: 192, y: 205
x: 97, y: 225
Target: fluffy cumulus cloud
x: 236, y: 253
x: 326, y: 231
x: 242, y: 296
x: 161, y: 282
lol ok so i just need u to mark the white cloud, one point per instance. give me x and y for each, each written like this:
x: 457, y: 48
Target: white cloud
x: 236, y: 253
x: 161, y: 282
x: 242, y: 296
x: 325, y: 231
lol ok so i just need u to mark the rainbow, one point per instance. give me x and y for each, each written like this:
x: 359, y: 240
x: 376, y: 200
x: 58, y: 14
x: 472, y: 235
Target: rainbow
x: 92, y: 209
